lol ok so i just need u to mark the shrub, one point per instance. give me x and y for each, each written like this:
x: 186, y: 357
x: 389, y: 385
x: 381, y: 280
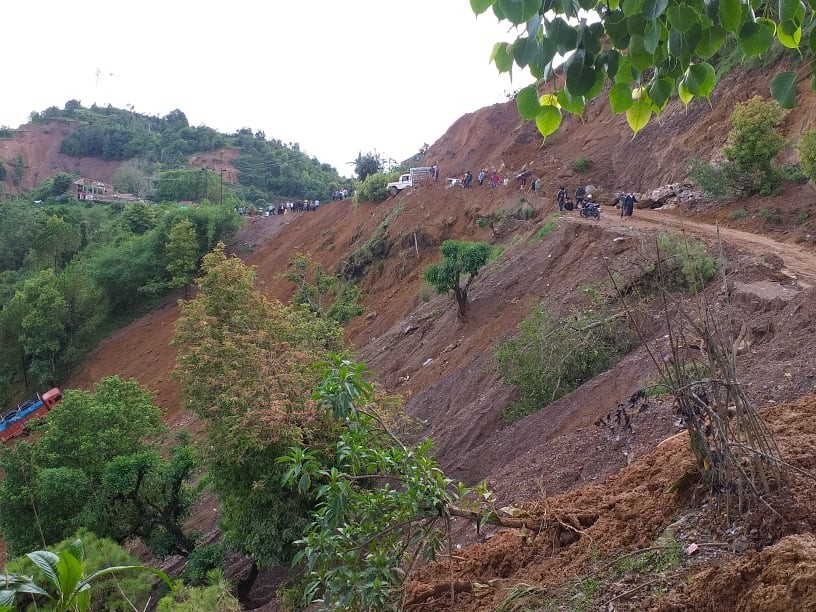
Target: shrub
x: 549, y: 358
x: 793, y: 173
x: 807, y: 153
x: 754, y: 141
x: 713, y: 180
x: 740, y: 213
x: 372, y: 189
x: 203, y: 559
x: 685, y: 262
x: 580, y: 164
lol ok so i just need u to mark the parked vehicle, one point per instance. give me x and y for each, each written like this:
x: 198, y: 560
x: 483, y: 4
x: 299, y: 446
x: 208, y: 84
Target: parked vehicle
x: 591, y: 210
x: 416, y: 175
x: 13, y: 421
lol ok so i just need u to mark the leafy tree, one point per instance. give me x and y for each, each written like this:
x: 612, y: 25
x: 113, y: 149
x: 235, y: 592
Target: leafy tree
x: 807, y: 153
x: 21, y: 221
x: 366, y: 165
x: 458, y: 258
x: 194, y: 185
x: 753, y: 142
x: 41, y: 331
x: 182, y: 255
x: 372, y: 189
x: 3, y: 172
x: 244, y: 363
x: 648, y: 51
x: 57, y: 240
x: 139, y: 217
x: 18, y: 172
x: 132, y: 177
x: 382, y: 505
x: 322, y: 293
x: 61, y: 183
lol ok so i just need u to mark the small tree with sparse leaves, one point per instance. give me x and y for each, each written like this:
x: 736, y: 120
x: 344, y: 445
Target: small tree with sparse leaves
x: 459, y: 259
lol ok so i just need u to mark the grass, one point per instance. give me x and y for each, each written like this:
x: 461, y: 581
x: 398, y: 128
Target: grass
x: 545, y: 229
x: 739, y: 213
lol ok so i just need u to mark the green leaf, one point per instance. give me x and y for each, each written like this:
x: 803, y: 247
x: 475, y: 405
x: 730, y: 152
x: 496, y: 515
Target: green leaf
x: 46, y: 561
x: 525, y: 50
x: 580, y: 73
x: 620, y: 98
x: 548, y: 120
x: 652, y: 9
x: 756, y: 38
x: 730, y: 14
x: 519, y: 11
x: 571, y: 104
x: 682, y: 45
x: 502, y: 56
x: 789, y: 34
x: 783, y: 89
x: 651, y: 37
x: 548, y: 100
x: 638, y: 115
x: 480, y: 6
x: 624, y: 73
x: 600, y: 81
x: 710, y: 42
x: 69, y: 570
x: 527, y: 102
x: 660, y: 91
x: 632, y: 7
x: 641, y: 59
x: 789, y: 9
x: 617, y: 26
x: 563, y: 34
x: 700, y: 79
x: 683, y: 93
x: 682, y: 18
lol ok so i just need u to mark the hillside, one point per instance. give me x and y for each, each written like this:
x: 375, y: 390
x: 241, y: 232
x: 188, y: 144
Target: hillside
x: 612, y: 483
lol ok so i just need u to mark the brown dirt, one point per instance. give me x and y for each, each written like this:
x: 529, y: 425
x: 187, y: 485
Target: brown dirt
x: 609, y: 485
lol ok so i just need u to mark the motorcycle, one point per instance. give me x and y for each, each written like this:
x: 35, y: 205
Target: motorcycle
x: 591, y: 210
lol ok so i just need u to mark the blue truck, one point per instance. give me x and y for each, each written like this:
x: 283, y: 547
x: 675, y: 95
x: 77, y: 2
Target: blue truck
x: 13, y: 421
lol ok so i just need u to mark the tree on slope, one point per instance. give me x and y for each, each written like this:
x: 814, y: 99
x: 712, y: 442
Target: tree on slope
x: 647, y: 50
x: 459, y: 258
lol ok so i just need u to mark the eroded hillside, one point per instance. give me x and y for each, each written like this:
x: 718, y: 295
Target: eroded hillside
x: 557, y: 458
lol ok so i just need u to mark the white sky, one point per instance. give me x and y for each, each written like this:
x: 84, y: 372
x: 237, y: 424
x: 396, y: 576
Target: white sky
x: 338, y: 77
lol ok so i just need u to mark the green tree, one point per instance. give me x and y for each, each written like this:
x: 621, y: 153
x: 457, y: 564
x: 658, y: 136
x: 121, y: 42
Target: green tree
x: 19, y: 170
x: 383, y: 504
x: 244, y: 364
x: 459, y: 258
x: 366, y: 165
x: 322, y: 293
x: 139, y: 217
x: 41, y: 333
x: 807, y: 153
x: 57, y: 240
x: 182, y: 255
x: 61, y: 184
x: 754, y: 142
x: 646, y: 51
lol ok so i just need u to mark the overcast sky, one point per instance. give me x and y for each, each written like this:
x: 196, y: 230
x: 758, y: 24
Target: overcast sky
x: 338, y: 77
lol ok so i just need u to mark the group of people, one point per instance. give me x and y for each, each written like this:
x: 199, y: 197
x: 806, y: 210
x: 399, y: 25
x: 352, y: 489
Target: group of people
x: 339, y: 194
x: 626, y: 201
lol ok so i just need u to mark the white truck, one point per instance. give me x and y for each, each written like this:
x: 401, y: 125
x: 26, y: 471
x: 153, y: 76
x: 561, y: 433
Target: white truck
x: 411, y: 178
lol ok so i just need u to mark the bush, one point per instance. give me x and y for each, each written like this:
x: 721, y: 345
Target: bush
x: 580, y: 164
x: 549, y: 358
x: 754, y: 142
x: 203, y: 559
x: 372, y: 189
x: 685, y: 262
x: 713, y: 180
x: 740, y: 213
x: 793, y: 173
x: 807, y: 153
